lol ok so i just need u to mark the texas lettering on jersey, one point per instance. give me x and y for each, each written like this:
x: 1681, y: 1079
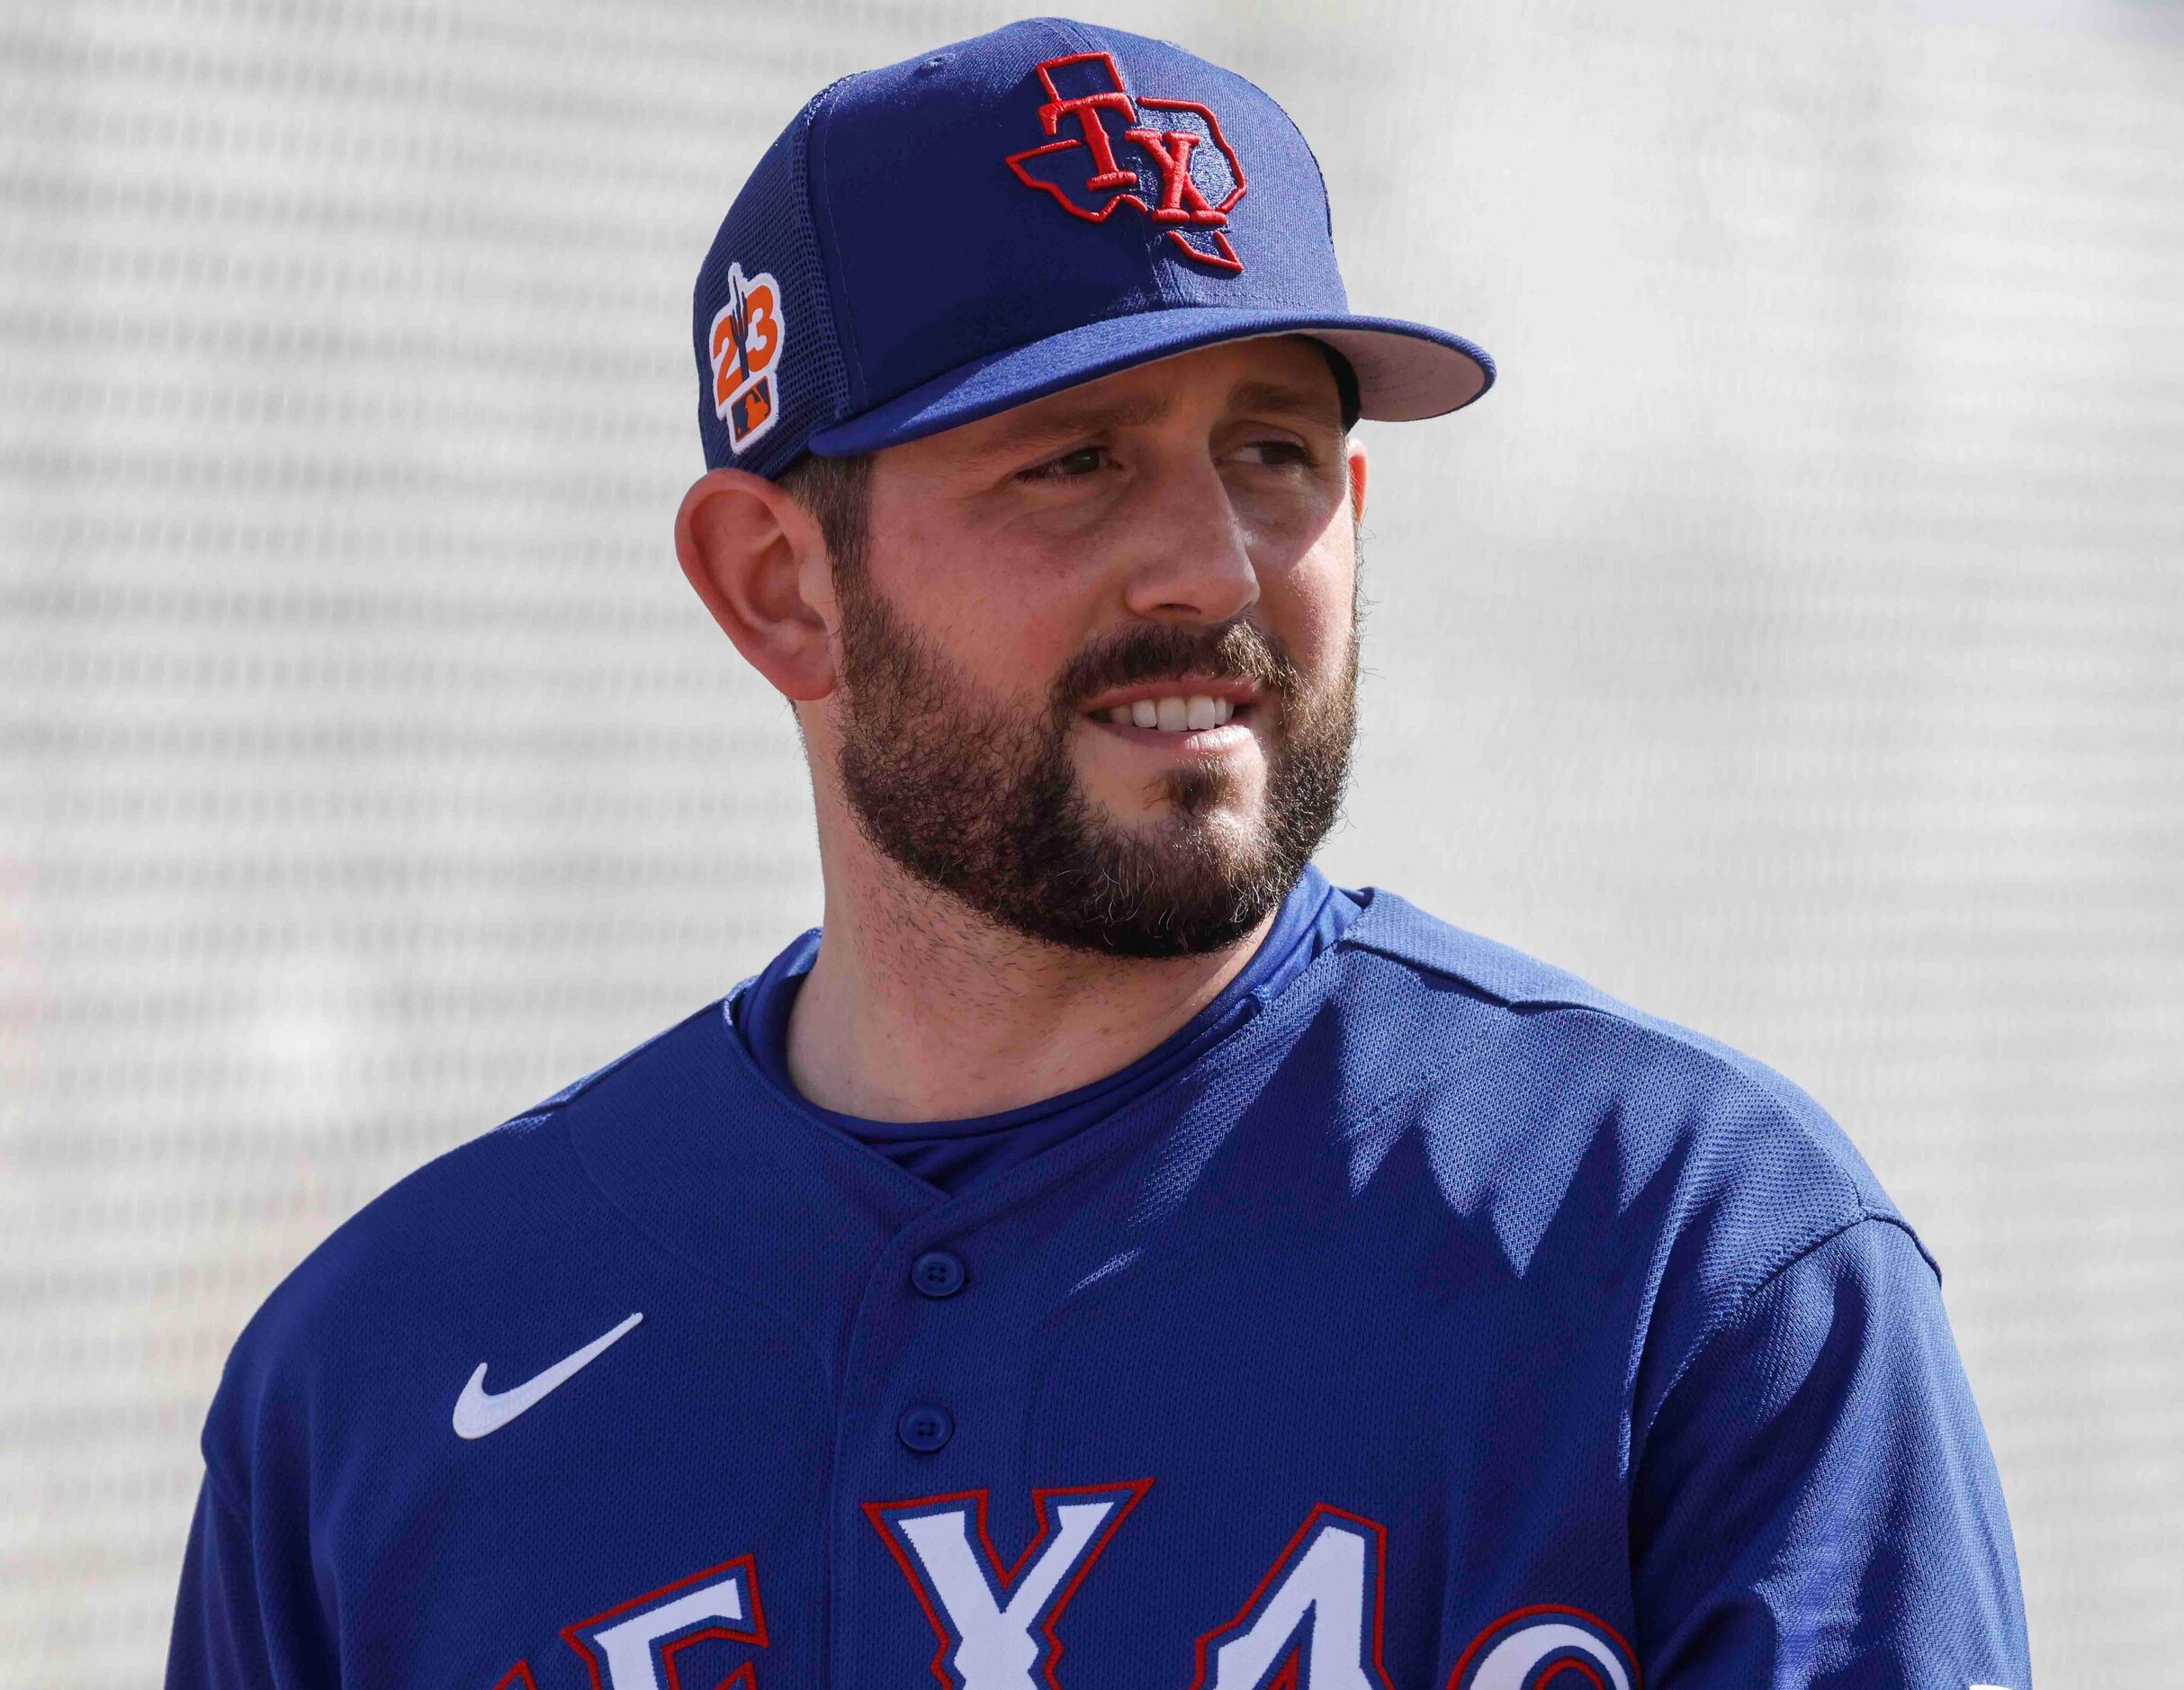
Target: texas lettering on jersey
x: 1313, y: 1622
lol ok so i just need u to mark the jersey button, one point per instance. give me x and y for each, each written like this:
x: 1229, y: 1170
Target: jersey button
x: 938, y: 1274
x: 924, y: 1427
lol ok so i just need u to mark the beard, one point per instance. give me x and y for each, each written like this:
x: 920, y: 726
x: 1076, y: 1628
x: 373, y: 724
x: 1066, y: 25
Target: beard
x: 980, y: 799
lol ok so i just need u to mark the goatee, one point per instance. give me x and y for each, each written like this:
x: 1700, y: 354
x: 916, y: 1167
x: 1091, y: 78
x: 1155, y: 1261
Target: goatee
x: 980, y: 798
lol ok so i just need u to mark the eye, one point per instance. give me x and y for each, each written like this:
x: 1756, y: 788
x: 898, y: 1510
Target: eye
x: 1277, y: 453
x: 1072, y: 465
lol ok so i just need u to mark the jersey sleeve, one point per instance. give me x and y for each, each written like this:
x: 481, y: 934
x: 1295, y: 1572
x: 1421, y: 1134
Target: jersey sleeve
x: 235, y: 1616
x: 1815, y: 1502
x: 219, y: 1637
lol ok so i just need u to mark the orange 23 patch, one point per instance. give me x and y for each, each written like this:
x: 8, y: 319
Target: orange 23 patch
x: 747, y: 335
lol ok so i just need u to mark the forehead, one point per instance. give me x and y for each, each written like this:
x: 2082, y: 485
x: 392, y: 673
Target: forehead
x: 1285, y: 373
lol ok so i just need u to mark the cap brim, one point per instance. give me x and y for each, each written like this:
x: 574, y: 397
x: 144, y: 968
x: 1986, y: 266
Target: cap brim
x: 1405, y: 370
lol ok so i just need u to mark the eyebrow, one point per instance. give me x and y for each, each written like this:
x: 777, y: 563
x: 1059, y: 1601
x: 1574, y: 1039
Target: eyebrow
x: 1068, y: 422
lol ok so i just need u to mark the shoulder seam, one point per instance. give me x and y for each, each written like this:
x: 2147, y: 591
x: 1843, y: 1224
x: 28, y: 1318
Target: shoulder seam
x: 1760, y: 1286
x: 575, y: 1089
x: 1607, y: 1009
x: 1599, y: 1002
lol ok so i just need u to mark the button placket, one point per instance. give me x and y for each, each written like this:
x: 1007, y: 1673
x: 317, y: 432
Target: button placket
x: 905, y: 1359
x: 938, y: 1274
x: 925, y: 1428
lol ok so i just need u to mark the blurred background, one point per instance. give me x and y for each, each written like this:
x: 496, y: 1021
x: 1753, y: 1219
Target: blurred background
x: 1793, y: 643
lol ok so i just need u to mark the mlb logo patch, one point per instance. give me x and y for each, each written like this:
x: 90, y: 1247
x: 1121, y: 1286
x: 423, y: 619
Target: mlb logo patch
x: 747, y: 338
x: 748, y: 413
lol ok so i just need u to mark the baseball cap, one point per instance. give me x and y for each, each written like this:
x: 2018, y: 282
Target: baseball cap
x: 992, y: 222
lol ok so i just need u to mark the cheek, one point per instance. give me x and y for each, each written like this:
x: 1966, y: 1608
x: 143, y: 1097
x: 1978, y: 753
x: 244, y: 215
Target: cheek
x: 1006, y: 617
x: 1315, y: 607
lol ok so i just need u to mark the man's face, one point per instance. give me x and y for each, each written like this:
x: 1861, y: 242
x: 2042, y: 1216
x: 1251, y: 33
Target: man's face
x: 1099, y: 655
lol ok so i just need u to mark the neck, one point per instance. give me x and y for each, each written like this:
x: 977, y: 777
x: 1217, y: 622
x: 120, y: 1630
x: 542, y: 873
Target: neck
x: 918, y: 1008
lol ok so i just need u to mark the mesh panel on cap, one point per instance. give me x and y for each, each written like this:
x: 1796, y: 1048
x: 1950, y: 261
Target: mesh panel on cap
x: 769, y: 230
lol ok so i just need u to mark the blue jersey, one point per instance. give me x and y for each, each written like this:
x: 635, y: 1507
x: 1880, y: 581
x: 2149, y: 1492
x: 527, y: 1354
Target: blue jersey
x: 1446, y: 1326
x: 951, y: 1154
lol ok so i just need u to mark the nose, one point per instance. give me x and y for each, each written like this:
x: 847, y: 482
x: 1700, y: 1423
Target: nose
x: 1194, y: 564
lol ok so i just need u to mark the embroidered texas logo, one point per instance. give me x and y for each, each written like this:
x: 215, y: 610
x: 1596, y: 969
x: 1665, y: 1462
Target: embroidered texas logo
x: 1166, y: 158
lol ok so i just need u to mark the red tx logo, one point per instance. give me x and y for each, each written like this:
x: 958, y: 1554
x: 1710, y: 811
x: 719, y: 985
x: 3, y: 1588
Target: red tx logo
x: 1190, y: 178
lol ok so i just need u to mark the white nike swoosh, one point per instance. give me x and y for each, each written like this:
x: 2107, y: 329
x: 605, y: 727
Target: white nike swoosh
x: 479, y: 1411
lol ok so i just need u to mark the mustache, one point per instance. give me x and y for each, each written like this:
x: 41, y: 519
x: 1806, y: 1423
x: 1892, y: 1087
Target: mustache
x: 1226, y: 651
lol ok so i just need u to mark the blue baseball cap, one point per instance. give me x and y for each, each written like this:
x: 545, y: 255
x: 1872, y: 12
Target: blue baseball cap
x: 993, y: 221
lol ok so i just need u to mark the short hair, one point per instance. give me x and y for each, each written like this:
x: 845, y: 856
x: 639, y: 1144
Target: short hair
x: 838, y: 492
x: 1346, y: 382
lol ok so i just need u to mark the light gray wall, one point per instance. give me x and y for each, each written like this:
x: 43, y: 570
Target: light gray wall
x: 1790, y: 643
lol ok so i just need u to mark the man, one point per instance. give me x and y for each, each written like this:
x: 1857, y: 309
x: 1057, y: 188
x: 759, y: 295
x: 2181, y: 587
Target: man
x: 1112, y: 1255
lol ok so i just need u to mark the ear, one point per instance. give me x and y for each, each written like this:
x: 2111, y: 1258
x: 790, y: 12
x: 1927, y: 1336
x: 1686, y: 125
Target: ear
x: 1357, y: 480
x: 757, y: 558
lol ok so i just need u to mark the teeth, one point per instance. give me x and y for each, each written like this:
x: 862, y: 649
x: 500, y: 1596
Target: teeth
x: 1193, y: 715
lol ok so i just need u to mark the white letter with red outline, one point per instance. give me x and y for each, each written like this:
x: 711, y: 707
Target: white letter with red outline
x: 1524, y: 1650
x: 632, y: 1645
x: 1331, y: 1578
x: 996, y: 1623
